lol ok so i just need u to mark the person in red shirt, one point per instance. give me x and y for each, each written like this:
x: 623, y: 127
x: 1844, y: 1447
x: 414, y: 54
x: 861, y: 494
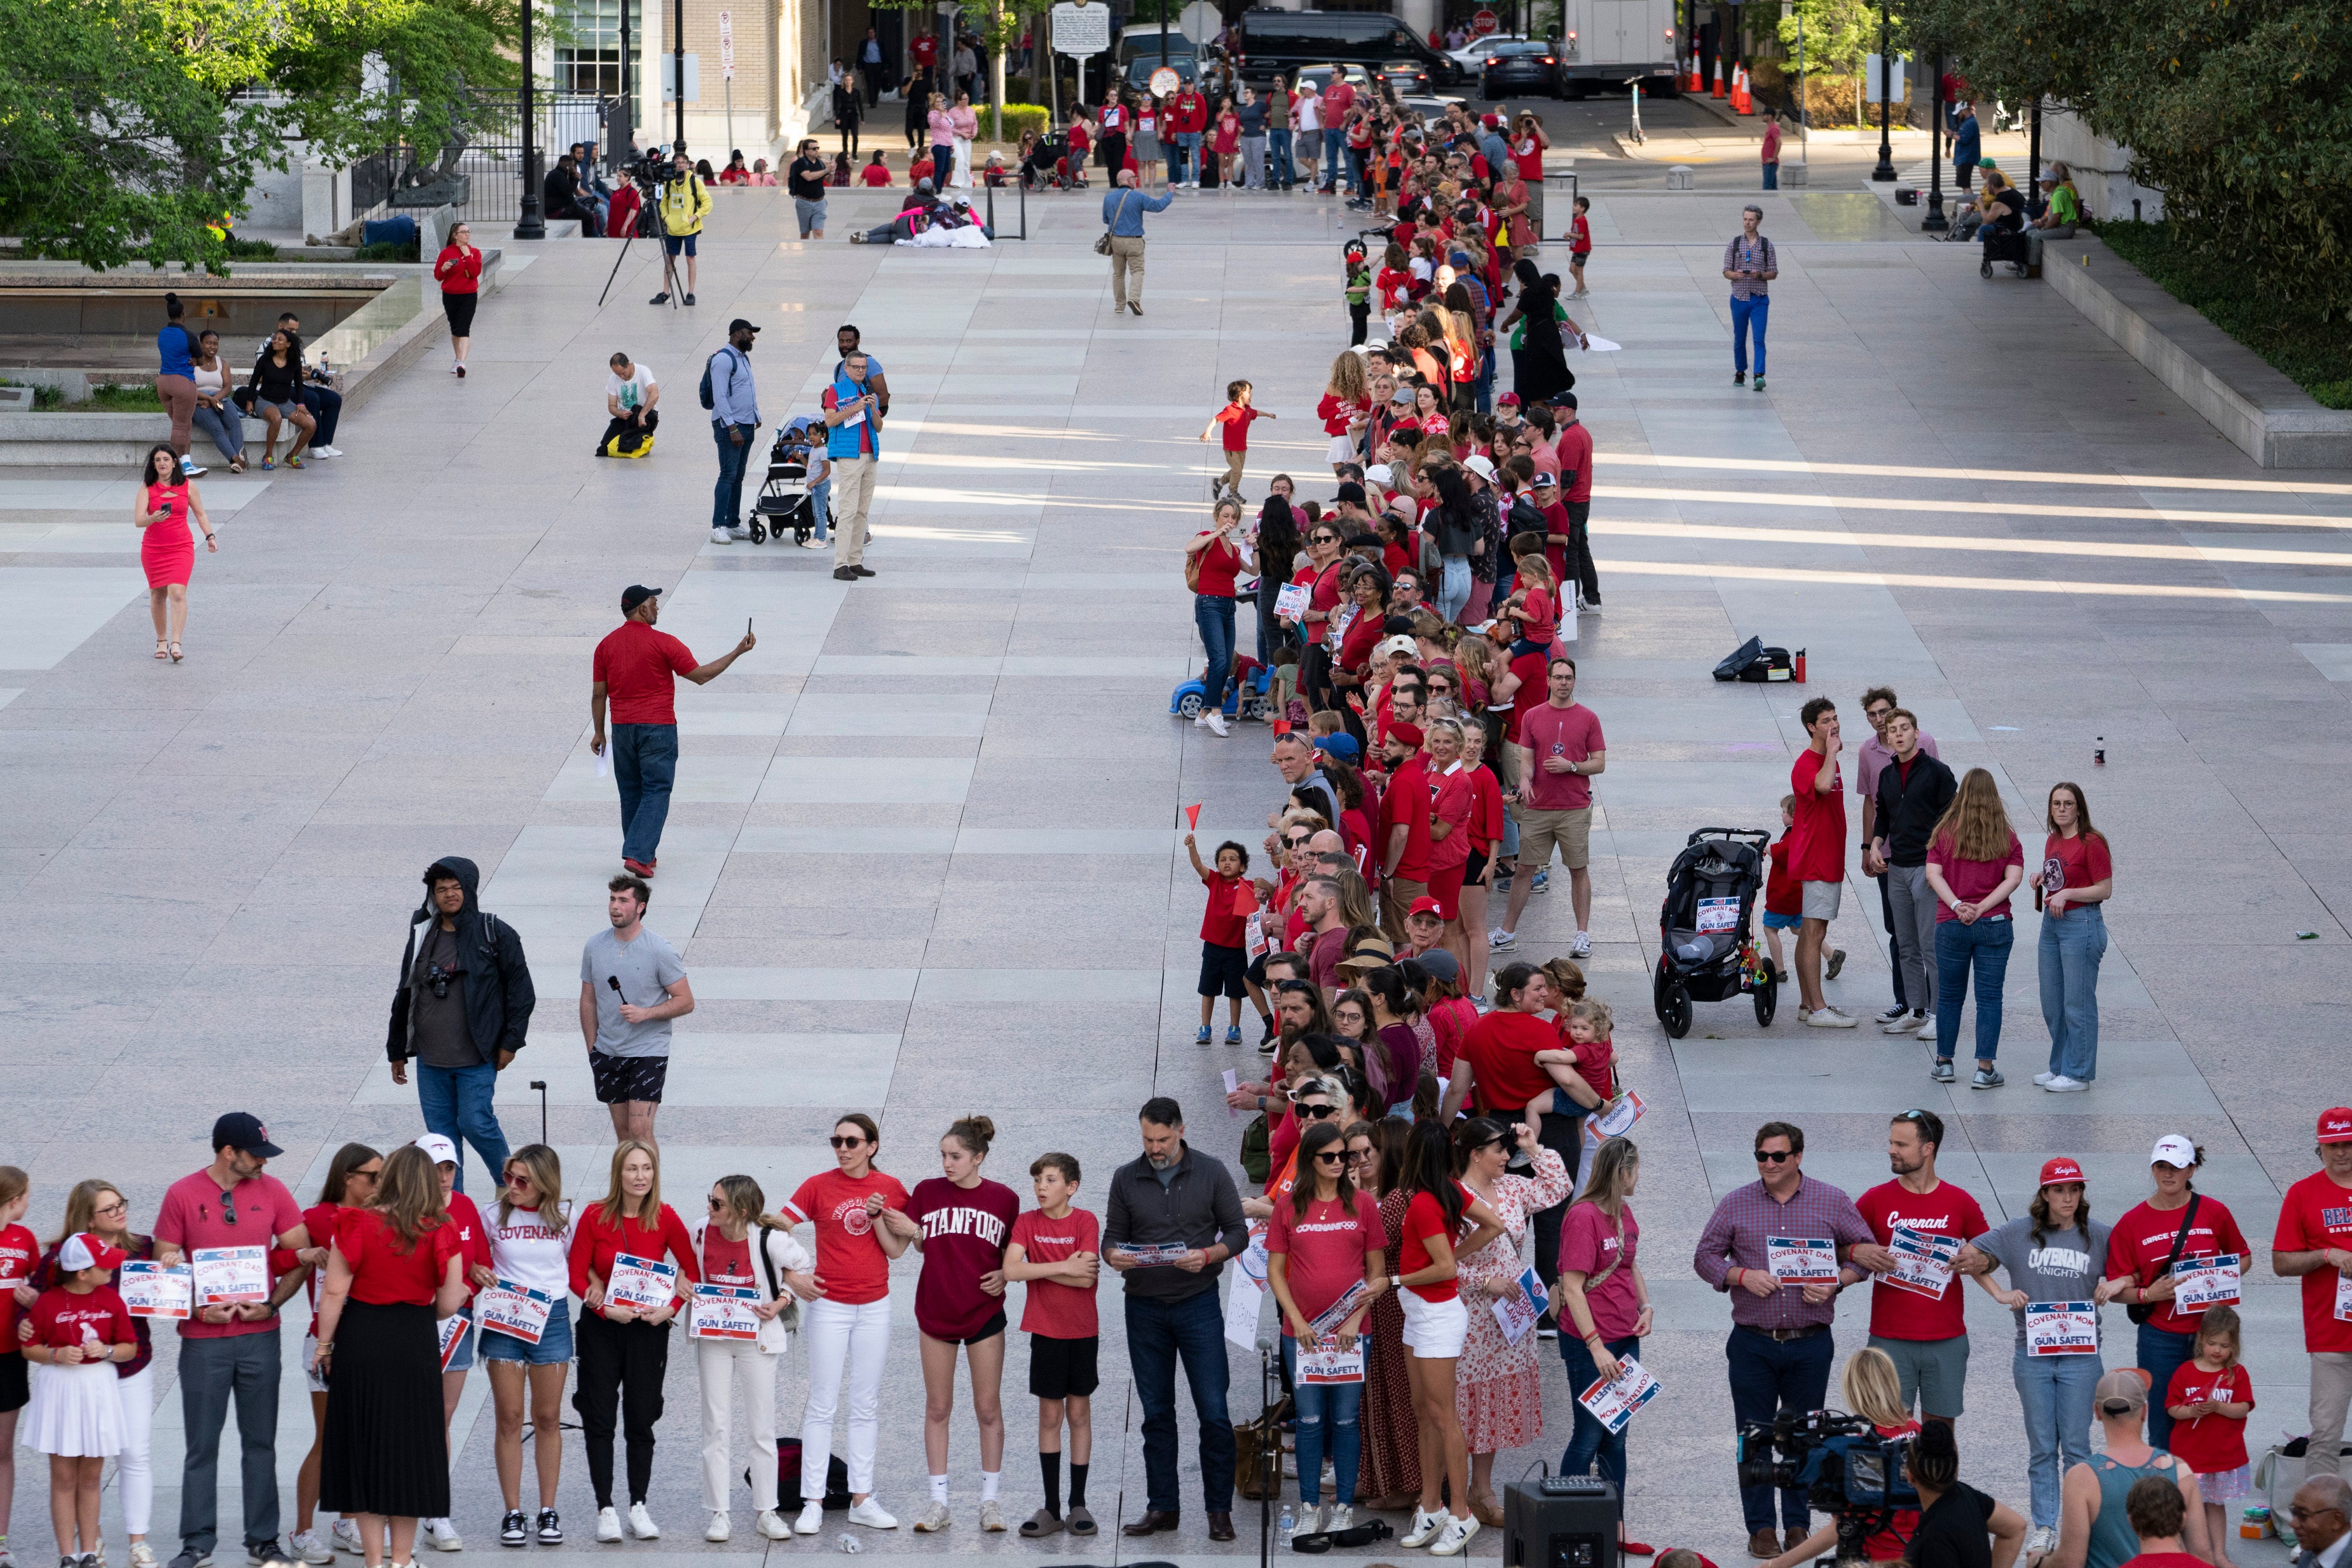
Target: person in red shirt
x: 1556, y: 752
x: 1498, y: 1073
x: 2208, y: 1400
x: 2314, y: 1244
x: 632, y: 673
x: 1923, y: 1330
x: 876, y: 172
x: 1817, y: 854
x: 474, y: 1241
x: 1213, y: 560
x: 1236, y: 417
x: 1784, y: 904
x: 2179, y: 1221
x: 394, y: 1274
x: 1056, y: 1250
x: 20, y: 1250
x: 77, y: 1332
x: 1453, y: 803
x: 1443, y: 1221
x: 1574, y: 447
x: 1322, y: 1242
x: 848, y: 1324
x: 1404, y: 827
x: 350, y: 1181
x: 1224, y: 963
x: 925, y: 50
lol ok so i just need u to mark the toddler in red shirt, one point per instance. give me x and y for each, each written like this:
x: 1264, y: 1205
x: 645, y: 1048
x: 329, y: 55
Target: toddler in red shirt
x: 1236, y: 416
x: 1590, y: 1058
x: 2209, y: 1401
x: 1784, y: 900
x: 1058, y: 1251
x: 1224, y: 933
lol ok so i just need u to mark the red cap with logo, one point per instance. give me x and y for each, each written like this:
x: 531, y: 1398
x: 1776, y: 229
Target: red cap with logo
x: 1430, y: 907
x: 2335, y: 1126
x: 2061, y: 1169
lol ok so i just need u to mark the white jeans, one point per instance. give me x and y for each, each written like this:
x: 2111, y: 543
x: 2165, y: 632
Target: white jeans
x: 737, y: 1375
x: 131, y: 1468
x: 859, y: 1339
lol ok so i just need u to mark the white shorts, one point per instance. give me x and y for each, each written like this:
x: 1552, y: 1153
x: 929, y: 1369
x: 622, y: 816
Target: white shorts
x: 1343, y: 450
x: 1433, y: 1330
x: 1822, y: 899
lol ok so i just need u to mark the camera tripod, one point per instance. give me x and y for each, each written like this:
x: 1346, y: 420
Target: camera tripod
x: 648, y: 227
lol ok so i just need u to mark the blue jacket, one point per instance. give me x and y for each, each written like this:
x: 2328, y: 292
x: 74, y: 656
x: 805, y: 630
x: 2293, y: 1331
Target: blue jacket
x: 1123, y: 209
x: 733, y: 399
x: 1968, y: 147
x: 841, y: 441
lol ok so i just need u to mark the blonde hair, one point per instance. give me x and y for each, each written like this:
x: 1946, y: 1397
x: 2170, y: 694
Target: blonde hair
x: 1595, y: 1011
x: 614, y: 1197
x: 408, y: 1195
x: 1873, y: 1389
x: 1976, y: 824
x: 546, y: 1172
x: 81, y: 1209
x: 1348, y: 378
x: 747, y: 1203
x: 14, y: 1184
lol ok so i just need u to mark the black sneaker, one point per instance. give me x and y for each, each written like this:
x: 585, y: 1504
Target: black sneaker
x: 689, y: 299
x: 661, y: 299
x: 513, y: 1531
x: 550, y: 1528
x: 1897, y: 1011
x: 1739, y: 378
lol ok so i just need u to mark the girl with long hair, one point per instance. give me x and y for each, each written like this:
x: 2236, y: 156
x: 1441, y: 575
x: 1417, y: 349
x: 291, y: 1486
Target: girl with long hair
x: 1347, y: 404
x: 1394, y: 1006
x: 1440, y: 1213
x: 167, y: 501
x: 2072, y: 889
x: 848, y: 1320
x: 76, y: 1335
x: 396, y: 1268
x: 350, y: 1181
x: 742, y: 1246
x: 1499, y: 1389
x: 960, y: 1221
x: 1974, y: 862
x: 1604, y: 1308
x: 1278, y: 547
x: 624, y: 1348
x: 530, y: 1230
x: 1321, y: 1245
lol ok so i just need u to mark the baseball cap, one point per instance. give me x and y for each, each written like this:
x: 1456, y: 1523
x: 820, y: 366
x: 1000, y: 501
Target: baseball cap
x: 1380, y: 473
x: 1398, y: 644
x: 443, y: 1151
x: 1351, y: 491
x: 1565, y: 400
x: 2122, y: 1391
x: 2335, y: 1126
x: 1508, y: 400
x: 1439, y: 962
x: 1480, y: 467
x: 1342, y: 747
x: 1492, y: 119
x: 243, y: 1131
x: 2172, y: 1149
x: 740, y: 325
x: 87, y: 1251
x: 2060, y: 1170
x: 1427, y: 906
x: 636, y: 593
x: 1545, y: 478
x: 924, y: 183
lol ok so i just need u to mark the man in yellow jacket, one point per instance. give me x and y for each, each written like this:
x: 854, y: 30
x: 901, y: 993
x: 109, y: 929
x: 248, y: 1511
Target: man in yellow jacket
x: 684, y: 203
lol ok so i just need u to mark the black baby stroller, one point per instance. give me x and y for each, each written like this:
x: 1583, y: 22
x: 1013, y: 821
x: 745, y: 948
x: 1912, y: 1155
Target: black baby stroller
x: 2006, y: 244
x: 785, y: 501
x: 1048, y: 166
x: 1706, y: 949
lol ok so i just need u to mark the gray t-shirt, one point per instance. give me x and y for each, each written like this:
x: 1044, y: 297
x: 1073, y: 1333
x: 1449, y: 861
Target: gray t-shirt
x: 443, y: 1037
x: 647, y: 968
x: 2061, y: 1269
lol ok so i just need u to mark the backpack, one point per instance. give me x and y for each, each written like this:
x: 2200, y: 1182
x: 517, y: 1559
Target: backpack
x: 788, y: 1478
x: 631, y: 443
x: 706, y: 401
x: 1755, y: 664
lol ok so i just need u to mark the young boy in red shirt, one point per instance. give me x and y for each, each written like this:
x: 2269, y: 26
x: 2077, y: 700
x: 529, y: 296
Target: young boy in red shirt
x: 1784, y: 905
x: 1236, y: 416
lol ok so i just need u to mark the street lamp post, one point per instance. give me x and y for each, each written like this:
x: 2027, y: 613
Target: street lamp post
x: 1935, y: 221
x: 1886, y: 169
x: 532, y: 223
x: 677, y: 70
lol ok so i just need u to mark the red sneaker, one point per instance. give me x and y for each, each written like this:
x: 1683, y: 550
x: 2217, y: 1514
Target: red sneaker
x: 637, y: 868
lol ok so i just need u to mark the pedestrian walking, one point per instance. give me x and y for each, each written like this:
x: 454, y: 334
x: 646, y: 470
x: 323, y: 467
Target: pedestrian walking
x: 1974, y: 863
x: 1750, y: 264
x: 458, y: 270
x: 530, y: 1230
x: 1924, y: 1334
x: 1173, y: 1196
x: 2077, y: 878
x: 960, y: 1222
x: 1604, y: 1303
x: 1123, y: 209
x: 853, y: 406
x: 734, y: 426
x: 1780, y: 1347
x: 632, y: 674
x: 167, y: 502
x: 461, y: 1010
x: 805, y: 178
x: 176, y: 351
x: 1056, y: 1250
x: 632, y: 984
x: 2175, y: 1224
x: 2314, y: 1243
x: 742, y: 1246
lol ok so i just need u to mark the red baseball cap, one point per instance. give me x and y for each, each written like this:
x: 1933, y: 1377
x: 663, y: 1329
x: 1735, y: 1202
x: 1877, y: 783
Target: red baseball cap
x: 1430, y: 907
x: 2335, y: 1126
x: 2062, y: 1169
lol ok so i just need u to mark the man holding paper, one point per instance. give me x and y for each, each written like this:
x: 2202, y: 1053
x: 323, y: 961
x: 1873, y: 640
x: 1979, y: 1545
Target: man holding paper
x: 1773, y: 1246
x: 226, y: 1218
x: 2315, y: 1244
x: 1921, y: 1227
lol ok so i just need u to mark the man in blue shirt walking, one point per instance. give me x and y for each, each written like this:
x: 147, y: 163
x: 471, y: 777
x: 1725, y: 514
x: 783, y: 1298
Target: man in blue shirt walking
x: 1123, y: 211
x: 734, y: 421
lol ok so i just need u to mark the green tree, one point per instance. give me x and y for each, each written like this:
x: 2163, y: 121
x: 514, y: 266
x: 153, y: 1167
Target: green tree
x: 1837, y: 34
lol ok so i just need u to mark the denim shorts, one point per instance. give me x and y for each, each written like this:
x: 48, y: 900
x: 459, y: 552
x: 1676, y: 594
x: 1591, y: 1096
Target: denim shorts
x: 462, y: 1358
x: 681, y: 245
x: 1783, y: 922
x: 553, y: 1349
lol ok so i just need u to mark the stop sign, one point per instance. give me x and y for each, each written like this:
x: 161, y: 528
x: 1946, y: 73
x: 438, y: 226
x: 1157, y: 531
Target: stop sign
x: 1483, y: 22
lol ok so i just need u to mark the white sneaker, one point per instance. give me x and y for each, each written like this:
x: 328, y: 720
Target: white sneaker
x: 189, y: 469
x: 934, y: 1516
x: 641, y: 1523
x: 143, y: 1556
x: 1426, y: 1527
x: 722, y: 536
x: 1499, y: 940
x: 608, y: 1526
x: 1455, y: 1538
x: 443, y: 1536
x: 719, y: 1528
x: 869, y: 1513
x: 1903, y: 1025
x: 1826, y: 1018
x: 1582, y: 946
x: 1928, y: 1030
x: 1342, y: 1518
x: 306, y: 1544
x: 2044, y: 1077
x: 326, y: 452
x: 2041, y: 1542
x: 1213, y: 721
x: 1310, y: 1523
x: 771, y: 1525
x: 991, y: 1514
x: 2062, y: 1085
x: 811, y: 1519
x: 346, y: 1538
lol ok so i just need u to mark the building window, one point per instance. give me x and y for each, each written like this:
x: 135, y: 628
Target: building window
x: 596, y: 72
x: 588, y: 59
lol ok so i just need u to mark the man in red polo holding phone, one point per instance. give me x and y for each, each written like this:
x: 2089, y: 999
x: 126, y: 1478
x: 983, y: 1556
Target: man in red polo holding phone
x: 632, y: 673
x: 1817, y: 854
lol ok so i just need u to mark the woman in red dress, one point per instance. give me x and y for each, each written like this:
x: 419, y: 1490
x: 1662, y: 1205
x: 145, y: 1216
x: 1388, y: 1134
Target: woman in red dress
x: 167, y: 499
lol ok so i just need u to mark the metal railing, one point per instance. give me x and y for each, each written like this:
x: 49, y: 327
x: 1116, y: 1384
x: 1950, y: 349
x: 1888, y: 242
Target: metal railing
x: 488, y: 154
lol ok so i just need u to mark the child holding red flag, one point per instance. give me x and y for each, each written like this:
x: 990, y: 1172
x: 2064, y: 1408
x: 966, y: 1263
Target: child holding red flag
x: 1224, y: 925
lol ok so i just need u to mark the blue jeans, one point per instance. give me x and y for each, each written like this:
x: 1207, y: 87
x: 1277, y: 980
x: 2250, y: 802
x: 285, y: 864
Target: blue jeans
x: 1278, y: 143
x: 1589, y: 1440
x: 2163, y: 1352
x: 1772, y: 176
x: 1158, y: 1334
x: 1487, y: 383
x: 1454, y: 590
x: 2070, y: 951
x: 1214, y: 614
x: 457, y: 1101
x: 1769, y: 1376
x: 213, y: 1372
x: 1746, y: 314
x: 1342, y: 1402
x: 1984, y: 947
x: 726, y: 495
x: 2055, y: 1391
x: 821, y: 501
x: 644, y: 764
x: 326, y: 406
x: 224, y: 425
x: 1174, y: 152
x: 1189, y: 145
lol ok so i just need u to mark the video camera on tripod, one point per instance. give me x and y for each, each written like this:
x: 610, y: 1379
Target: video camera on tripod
x: 1845, y: 1467
x: 649, y: 175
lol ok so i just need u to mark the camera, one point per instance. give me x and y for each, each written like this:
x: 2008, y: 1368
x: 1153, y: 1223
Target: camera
x: 1846, y: 1469
x: 438, y: 977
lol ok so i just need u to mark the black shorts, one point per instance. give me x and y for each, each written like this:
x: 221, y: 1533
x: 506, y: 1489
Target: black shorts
x: 15, y: 1380
x: 1474, y: 868
x: 1062, y: 1368
x: 981, y: 1335
x: 620, y: 1078
x: 1224, y: 971
x: 459, y: 309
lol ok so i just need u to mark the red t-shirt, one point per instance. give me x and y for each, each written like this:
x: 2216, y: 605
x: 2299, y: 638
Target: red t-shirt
x: 1817, y: 842
x: 1324, y: 597
x: 1364, y: 634
x: 964, y: 1232
x: 1573, y: 733
x: 596, y: 1242
x: 2209, y: 1444
x: 1056, y: 1309
x: 1236, y: 418
x: 1781, y: 893
x: 1219, y: 923
x: 1486, y: 817
x: 1587, y: 1244
x: 1219, y: 563
x: 1575, y: 449
x: 925, y: 51
x: 2077, y: 861
x: 384, y: 1276
x: 2163, y: 1560
x: 191, y: 1218
x: 875, y: 174
x: 855, y: 1268
x: 1527, y: 153
x: 1406, y: 804
x: 726, y: 1262
x: 1338, y: 99
x: 1422, y: 1219
x: 1596, y: 1062
x: 1971, y: 880
x: 1899, y: 1314
x: 19, y: 1251
x: 2142, y: 1240
x: 635, y: 664
x: 1326, y: 1247
x: 1538, y: 621
x: 1579, y: 236
x: 473, y: 1236
x: 1501, y: 1049
x: 1454, y: 798
x: 1449, y: 1020
x: 2316, y: 1213
x: 1533, y: 693
x: 58, y: 1317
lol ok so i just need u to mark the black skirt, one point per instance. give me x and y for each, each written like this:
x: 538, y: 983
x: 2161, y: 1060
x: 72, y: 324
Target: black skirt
x: 386, y: 1452
x: 459, y: 309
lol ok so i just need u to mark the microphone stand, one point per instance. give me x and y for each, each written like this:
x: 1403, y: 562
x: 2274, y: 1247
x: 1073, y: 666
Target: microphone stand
x: 1269, y: 1362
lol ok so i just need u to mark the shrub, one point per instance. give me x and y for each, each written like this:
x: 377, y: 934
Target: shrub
x: 385, y: 250
x: 1021, y: 117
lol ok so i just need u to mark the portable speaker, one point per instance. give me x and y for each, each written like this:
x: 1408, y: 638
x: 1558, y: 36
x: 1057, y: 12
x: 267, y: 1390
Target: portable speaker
x: 1560, y: 1522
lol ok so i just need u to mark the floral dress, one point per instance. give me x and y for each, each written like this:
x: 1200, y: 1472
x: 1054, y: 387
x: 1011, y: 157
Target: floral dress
x: 1497, y: 1390
x: 1391, y: 1457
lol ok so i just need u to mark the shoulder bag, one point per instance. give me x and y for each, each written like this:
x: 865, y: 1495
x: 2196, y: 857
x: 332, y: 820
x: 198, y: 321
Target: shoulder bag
x: 2140, y: 1312
x: 1102, y: 246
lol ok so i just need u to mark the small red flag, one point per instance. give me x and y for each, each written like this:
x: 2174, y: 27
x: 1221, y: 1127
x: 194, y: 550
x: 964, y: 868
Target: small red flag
x: 1193, y: 818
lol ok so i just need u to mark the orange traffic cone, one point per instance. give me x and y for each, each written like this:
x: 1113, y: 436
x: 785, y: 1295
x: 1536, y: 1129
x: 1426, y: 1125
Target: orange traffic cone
x: 1719, y: 77
x: 1741, y: 103
x: 1698, y: 83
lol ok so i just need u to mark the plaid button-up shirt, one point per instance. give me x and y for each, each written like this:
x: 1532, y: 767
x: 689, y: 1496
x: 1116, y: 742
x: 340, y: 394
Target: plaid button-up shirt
x: 1734, y: 1239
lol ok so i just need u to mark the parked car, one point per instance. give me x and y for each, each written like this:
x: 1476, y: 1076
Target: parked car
x: 1272, y: 40
x: 1472, y: 55
x: 1406, y: 77
x: 1138, y: 55
x: 1526, y: 67
x: 1355, y: 76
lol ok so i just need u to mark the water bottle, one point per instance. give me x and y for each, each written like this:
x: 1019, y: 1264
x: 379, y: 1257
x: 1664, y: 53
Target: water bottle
x: 849, y: 1542
x: 1288, y: 1521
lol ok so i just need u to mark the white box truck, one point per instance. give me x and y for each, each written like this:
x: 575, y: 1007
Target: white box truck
x: 1610, y: 43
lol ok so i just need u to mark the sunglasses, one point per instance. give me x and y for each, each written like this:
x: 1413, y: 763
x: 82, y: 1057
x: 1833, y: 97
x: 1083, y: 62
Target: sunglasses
x: 1317, y: 1112
x: 1774, y: 1157
x: 1359, y: 1156
x: 1323, y: 538
x: 1334, y: 1156
x: 1299, y: 842
x: 841, y: 1143
x: 717, y: 1206
x: 228, y: 1208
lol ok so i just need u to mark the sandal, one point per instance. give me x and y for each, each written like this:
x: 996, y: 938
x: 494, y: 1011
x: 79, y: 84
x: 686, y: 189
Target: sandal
x: 175, y: 652
x: 265, y: 463
x: 293, y: 462
x: 159, y: 654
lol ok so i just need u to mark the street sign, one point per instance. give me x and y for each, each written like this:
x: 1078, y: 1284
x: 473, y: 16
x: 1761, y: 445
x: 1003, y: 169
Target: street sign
x: 1897, y: 90
x: 1483, y: 22
x: 693, y: 79
x: 1081, y: 29
x: 1165, y: 81
x: 726, y: 45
